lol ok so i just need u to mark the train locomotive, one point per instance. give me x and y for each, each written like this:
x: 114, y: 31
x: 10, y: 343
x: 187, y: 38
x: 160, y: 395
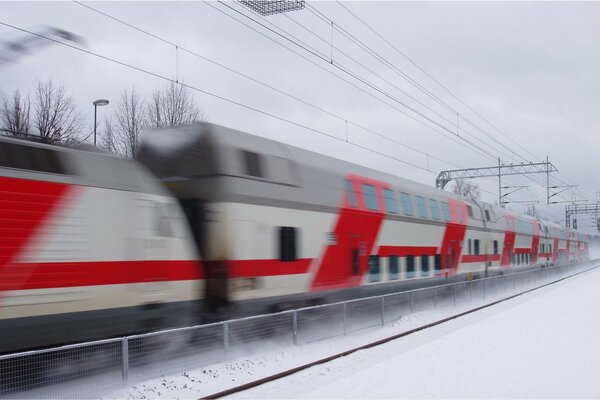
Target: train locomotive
x: 209, y: 223
x: 90, y: 247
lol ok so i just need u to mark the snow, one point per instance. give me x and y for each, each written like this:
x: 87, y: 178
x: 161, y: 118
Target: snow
x: 540, y: 344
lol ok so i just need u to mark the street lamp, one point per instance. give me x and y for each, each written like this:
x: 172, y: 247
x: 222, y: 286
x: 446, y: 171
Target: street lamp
x: 99, y: 102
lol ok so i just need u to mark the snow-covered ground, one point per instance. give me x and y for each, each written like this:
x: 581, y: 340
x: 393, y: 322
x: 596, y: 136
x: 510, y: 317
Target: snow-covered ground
x: 543, y: 344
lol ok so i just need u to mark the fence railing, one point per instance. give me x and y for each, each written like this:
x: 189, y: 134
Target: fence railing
x: 90, y: 369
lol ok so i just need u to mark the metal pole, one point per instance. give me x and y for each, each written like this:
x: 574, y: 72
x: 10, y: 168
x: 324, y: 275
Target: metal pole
x: 295, y: 327
x: 382, y: 310
x: 345, y: 318
x: 226, y: 338
x: 470, y: 291
x: 95, y: 112
x: 547, y: 181
x: 454, y: 294
x: 125, y: 360
x: 499, y: 183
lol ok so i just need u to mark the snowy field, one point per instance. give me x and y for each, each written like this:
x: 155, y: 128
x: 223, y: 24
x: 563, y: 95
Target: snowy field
x: 543, y: 344
x: 540, y: 345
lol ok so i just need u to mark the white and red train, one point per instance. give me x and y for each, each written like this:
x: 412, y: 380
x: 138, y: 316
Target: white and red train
x: 94, y: 246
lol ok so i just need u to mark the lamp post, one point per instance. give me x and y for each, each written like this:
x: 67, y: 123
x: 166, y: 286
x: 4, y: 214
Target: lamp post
x: 99, y: 102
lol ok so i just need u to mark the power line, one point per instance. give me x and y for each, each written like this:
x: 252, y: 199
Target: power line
x: 262, y: 83
x: 234, y: 102
x: 365, y: 82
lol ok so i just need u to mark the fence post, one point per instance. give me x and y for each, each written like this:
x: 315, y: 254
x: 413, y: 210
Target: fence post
x: 470, y: 291
x: 125, y: 360
x: 484, y: 288
x: 454, y: 294
x: 382, y: 311
x: 295, y: 326
x: 345, y: 318
x: 226, y: 338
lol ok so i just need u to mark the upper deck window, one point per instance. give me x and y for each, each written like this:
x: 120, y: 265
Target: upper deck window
x: 350, y: 193
x: 370, y: 197
x: 253, y: 163
x: 421, y: 207
x: 435, y: 209
x: 390, y: 201
x: 446, y: 211
x: 407, y: 207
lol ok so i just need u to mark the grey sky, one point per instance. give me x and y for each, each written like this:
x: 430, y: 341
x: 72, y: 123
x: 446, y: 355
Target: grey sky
x: 529, y: 68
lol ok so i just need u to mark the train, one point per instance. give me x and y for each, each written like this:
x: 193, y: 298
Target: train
x: 210, y: 223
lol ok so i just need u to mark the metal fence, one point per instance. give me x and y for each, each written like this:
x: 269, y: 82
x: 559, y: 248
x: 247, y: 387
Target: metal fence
x: 88, y: 370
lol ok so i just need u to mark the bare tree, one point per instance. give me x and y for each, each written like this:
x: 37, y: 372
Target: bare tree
x: 109, y: 139
x: 173, y: 105
x: 56, y: 117
x: 466, y: 188
x: 123, y: 134
x: 14, y: 113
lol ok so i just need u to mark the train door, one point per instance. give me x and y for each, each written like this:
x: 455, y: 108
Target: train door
x: 358, y: 255
x: 451, y: 257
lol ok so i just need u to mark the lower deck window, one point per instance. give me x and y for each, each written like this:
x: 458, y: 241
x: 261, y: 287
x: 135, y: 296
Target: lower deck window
x: 424, y: 265
x: 394, y: 271
x: 374, y: 274
x: 438, y: 263
x: 410, y: 266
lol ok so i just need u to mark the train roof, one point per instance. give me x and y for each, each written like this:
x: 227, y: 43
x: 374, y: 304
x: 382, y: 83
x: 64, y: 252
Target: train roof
x: 82, y: 165
x: 174, y: 153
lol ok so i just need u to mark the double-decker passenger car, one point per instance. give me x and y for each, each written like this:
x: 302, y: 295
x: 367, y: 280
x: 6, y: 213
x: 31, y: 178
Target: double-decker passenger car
x: 278, y: 225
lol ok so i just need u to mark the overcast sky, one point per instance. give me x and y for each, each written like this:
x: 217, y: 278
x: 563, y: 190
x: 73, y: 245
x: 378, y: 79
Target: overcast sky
x: 530, y: 69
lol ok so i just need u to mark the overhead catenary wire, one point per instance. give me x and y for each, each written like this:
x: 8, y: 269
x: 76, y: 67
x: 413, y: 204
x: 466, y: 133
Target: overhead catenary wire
x: 262, y: 83
x: 491, y: 156
x: 365, y: 82
x: 395, y: 48
x: 220, y: 97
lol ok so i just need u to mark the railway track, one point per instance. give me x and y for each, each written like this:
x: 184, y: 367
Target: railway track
x: 283, y: 374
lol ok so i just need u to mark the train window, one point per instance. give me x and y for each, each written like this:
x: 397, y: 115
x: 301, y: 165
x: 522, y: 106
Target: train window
x: 476, y: 247
x: 253, y: 163
x: 394, y: 270
x: 31, y: 158
x: 549, y: 248
x: 370, y: 197
x: 287, y: 243
x: 424, y: 265
x: 470, y: 247
x: 459, y: 214
x: 437, y: 260
x: 495, y: 247
x: 470, y: 211
x: 407, y: 207
x: 421, y: 207
x: 350, y: 193
x: 390, y: 201
x: 487, y: 215
x: 435, y: 209
x: 374, y: 275
x: 410, y: 266
x: 446, y: 211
